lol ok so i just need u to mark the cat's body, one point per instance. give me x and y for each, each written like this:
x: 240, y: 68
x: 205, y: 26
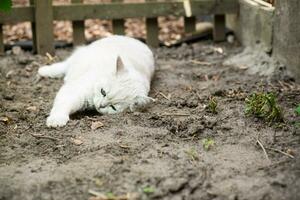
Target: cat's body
x: 110, y: 75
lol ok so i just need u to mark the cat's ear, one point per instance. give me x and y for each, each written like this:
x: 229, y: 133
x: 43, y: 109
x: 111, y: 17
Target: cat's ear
x: 120, y: 67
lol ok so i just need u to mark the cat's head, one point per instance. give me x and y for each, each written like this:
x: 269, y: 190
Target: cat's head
x: 119, y: 91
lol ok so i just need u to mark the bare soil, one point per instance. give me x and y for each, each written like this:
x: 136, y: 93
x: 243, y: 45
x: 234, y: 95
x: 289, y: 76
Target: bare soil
x: 155, y: 153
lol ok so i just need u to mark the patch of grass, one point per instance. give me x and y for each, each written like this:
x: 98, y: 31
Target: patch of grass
x: 208, y: 143
x: 5, y: 5
x: 148, y: 190
x: 110, y: 195
x: 193, y: 154
x: 212, y: 105
x: 265, y: 106
x: 298, y: 110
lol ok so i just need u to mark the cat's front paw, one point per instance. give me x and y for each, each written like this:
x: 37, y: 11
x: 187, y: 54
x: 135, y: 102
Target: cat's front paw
x: 57, y: 120
x: 140, y: 102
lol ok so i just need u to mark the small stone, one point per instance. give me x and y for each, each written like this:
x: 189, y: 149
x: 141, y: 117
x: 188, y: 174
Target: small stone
x: 32, y: 108
x: 16, y: 50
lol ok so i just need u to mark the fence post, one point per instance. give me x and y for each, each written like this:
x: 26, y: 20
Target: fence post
x: 1, y: 40
x: 78, y: 29
x: 33, y: 31
x: 44, y: 26
x: 219, y: 32
x: 152, y: 31
x: 118, y: 24
x: 189, y: 24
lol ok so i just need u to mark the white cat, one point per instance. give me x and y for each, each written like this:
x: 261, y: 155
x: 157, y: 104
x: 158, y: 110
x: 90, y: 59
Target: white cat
x: 109, y: 75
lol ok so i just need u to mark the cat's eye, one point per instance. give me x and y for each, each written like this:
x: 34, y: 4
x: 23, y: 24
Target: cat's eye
x: 114, y: 108
x: 103, y: 92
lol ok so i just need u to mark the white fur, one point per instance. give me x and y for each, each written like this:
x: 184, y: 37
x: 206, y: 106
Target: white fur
x: 94, y: 67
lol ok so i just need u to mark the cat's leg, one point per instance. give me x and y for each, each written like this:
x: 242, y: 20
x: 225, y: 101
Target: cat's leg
x: 68, y: 100
x: 56, y: 70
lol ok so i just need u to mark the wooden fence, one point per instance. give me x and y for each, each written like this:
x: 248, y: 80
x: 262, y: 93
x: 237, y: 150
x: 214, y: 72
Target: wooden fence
x: 41, y: 14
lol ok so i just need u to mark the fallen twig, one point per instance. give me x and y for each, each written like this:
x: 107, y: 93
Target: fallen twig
x: 263, y: 148
x: 101, y: 196
x: 40, y: 136
x: 163, y: 95
x: 175, y: 114
x: 201, y: 62
x: 124, y: 146
x: 279, y: 151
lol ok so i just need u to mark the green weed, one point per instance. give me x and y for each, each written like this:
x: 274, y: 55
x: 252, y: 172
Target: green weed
x: 193, y: 154
x: 264, y: 105
x: 208, y: 143
x: 298, y: 110
x: 148, y: 190
x: 212, y: 105
x: 110, y: 195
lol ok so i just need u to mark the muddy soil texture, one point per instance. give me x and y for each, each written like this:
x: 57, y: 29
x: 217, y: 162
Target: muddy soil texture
x: 157, y: 152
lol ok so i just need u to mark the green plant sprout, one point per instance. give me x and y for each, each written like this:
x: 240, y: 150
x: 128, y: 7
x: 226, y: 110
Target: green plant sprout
x: 148, y: 190
x: 264, y: 105
x: 110, y: 195
x: 212, y: 105
x: 298, y: 110
x: 193, y: 154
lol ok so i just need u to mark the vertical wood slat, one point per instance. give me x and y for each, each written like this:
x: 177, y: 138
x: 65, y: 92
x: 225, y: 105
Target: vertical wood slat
x: 1, y: 41
x: 33, y: 32
x: 78, y: 29
x: 118, y: 24
x: 152, y: 31
x: 44, y: 26
x: 189, y: 24
x: 219, y: 33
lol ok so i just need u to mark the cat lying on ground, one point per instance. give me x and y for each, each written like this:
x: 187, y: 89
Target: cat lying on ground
x: 110, y: 75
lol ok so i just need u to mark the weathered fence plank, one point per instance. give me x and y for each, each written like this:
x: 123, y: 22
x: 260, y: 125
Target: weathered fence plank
x: 44, y: 26
x: 78, y: 29
x: 118, y: 24
x: 75, y: 12
x: 18, y: 14
x: 152, y: 31
x: 219, y: 33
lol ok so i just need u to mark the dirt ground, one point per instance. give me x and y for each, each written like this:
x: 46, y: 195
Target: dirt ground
x: 156, y: 153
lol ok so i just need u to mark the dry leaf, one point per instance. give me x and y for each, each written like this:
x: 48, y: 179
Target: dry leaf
x: 290, y: 152
x: 96, y: 125
x: 10, y: 73
x: 77, y: 141
x: 6, y: 120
